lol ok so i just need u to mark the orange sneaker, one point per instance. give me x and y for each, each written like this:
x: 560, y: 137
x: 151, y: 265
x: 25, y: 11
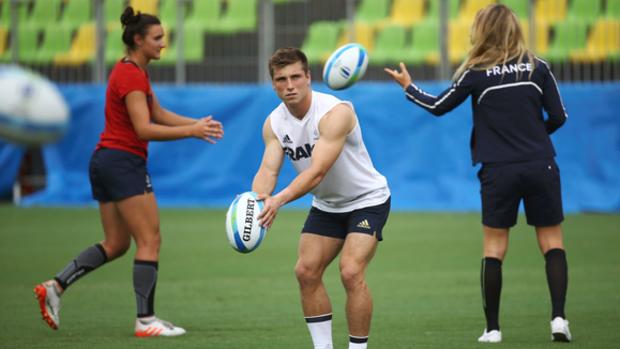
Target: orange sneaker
x: 49, y: 302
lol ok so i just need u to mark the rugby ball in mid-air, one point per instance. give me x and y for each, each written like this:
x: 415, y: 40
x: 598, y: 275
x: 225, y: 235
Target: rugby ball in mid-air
x: 32, y: 110
x: 243, y: 230
x: 345, y: 66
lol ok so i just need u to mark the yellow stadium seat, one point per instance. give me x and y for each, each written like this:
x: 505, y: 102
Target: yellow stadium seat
x: 407, y: 12
x: 459, y: 42
x: 471, y: 7
x: 550, y: 11
x: 146, y: 6
x: 542, y: 36
x: 82, y: 48
x: 603, y: 42
x: 364, y: 35
x: 3, y: 39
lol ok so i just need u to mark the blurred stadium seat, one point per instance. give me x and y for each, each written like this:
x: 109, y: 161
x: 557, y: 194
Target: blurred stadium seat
x: 469, y: 8
x: 57, y: 39
x: 145, y: 6
x: 568, y: 36
x: 584, y: 10
x: 321, y: 40
x: 82, y: 48
x: 362, y: 33
x: 603, y: 42
x: 77, y: 12
x: 240, y: 16
x: 424, y: 42
x: 390, y: 45
x: 372, y: 11
x: 407, y: 12
x: 550, y: 11
x: 519, y: 7
x: 206, y: 14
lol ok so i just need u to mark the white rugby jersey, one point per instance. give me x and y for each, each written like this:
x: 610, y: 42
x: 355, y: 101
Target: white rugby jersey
x: 352, y: 182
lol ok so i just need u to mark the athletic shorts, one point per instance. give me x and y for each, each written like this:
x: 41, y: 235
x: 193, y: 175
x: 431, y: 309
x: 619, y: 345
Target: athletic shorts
x: 367, y: 220
x: 503, y: 185
x: 116, y: 175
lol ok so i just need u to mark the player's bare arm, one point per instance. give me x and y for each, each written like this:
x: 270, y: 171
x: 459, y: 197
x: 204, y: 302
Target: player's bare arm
x: 333, y: 129
x: 267, y: 175
x: 140, y: 118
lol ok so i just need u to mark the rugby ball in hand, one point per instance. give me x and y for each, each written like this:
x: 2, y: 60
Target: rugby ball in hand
x: 345, y: 66
x: 243, y: 230
x: 32, y: 110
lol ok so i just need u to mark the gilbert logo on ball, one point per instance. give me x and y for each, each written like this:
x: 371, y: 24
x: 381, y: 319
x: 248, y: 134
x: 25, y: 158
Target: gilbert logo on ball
x: 345, y: 66
x: 243, y: 230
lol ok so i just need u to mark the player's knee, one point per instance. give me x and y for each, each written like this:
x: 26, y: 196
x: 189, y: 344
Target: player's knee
x: 306, y: 275
x: 150, y: 242
x: 116, y: 248
x: 352, y: 275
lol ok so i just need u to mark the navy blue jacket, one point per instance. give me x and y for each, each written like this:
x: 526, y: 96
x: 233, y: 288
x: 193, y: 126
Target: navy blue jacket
x: 508, y: 110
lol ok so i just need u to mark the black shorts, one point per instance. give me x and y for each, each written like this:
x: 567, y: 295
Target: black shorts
x: 116, y: 175
x: 367, y: 220
x: 537, y: 182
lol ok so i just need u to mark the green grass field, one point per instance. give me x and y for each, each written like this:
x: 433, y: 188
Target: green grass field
x: 424, y: 279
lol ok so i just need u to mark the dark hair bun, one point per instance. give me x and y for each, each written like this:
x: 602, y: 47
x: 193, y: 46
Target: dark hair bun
x: 129, y: 16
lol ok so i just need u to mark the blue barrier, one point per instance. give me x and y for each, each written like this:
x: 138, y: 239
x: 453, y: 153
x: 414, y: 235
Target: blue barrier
x: 426, y: 159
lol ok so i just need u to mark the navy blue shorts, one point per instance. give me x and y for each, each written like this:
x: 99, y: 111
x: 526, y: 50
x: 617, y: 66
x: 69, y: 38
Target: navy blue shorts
x: 537, y: 182
x: 116, y: 175
x: 367, y: 220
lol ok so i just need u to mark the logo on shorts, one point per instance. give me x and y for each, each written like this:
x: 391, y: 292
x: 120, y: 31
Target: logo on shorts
x: 363, y: 224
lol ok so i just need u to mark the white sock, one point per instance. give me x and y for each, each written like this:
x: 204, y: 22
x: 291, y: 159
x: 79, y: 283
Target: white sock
x: 358, y: 345
x: 320, y: 328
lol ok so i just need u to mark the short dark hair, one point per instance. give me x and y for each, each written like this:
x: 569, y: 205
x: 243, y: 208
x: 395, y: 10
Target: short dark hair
x: 136, y: 23
x: 286, y: 56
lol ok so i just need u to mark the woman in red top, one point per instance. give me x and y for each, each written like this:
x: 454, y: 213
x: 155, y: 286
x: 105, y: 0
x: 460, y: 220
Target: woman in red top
x: 119, y: 178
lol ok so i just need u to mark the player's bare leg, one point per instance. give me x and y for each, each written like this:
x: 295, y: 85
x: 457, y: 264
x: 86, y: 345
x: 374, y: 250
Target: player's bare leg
x: 357, y: 252
x: 315, y: 254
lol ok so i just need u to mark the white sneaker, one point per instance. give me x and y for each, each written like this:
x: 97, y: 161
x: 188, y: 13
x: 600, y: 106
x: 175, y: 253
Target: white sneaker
x: 559, y: 330
x: 153, y: 327
x: 493, y: 336
x: 49, y: 303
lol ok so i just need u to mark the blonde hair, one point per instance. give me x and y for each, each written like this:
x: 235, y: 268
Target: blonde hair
x: 496, y: 38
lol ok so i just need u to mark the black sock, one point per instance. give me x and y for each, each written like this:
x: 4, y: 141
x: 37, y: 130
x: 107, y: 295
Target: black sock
x: 87, y: 261
x: 557, y: 279
x: 491, y: 286
x: 144, y: 282
x: 355, y: 339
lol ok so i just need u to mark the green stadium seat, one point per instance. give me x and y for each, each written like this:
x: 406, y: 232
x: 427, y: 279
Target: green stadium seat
x: 389, y: 45
x: 241, y: 16
x: 114, y: 47
x: 372, y: 11
x: 424, y: 42
x: 206, y: 14
x: 613, y: 9
x: 194, y: 50
x: 5, y: 13
x: 76, y: 13
x: 433, y: 10
x: 321, y: 40
x: 44, y: 14
x: 113, y: 9
x: 57, y: 39
x: 28, y: 43
x: 168, y: 13
x: 568, y: 36
x: 584, y: 10
x: 519, y: 7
